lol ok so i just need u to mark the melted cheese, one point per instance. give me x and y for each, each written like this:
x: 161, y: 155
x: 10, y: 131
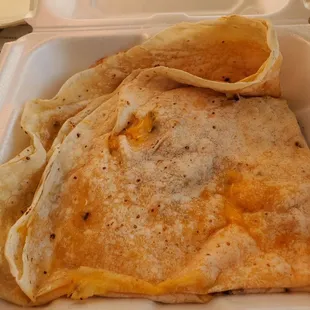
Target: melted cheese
x: 140, y: 128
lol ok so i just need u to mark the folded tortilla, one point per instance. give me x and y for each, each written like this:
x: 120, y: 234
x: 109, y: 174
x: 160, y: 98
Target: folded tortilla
x: 166, y: 190
x: 233, y: 55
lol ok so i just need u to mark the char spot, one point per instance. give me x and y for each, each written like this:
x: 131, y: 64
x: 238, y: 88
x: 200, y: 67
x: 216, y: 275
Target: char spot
x: 86, y: 216
x: 236, y: 97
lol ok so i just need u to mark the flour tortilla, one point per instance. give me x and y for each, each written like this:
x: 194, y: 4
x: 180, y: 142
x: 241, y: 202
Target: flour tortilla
x: 233, y: 54
x: 24, y: 172
x: 43, y: 119
x: 191, y: 205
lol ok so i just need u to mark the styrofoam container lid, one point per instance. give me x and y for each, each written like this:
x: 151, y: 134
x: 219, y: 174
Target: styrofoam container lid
x: 69, y: 35
x: 107, y: 13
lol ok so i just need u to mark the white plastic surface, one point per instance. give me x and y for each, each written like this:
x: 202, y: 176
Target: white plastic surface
x: 38, y: 64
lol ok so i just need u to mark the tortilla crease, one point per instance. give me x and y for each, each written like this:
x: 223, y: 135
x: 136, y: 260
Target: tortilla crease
x: 163, y: 191
x: 245, y: 50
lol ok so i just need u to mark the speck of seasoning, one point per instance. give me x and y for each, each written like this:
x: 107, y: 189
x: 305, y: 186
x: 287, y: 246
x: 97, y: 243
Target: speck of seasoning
x: 174, y: 103
x: 87, y: 90
x: 213, y: 113
x: 157, y: 65
x: 63, y: 99
x: 85, y: 146
x: 213, y: 127
x: 152, y: 210
x: 78, y: 135
x: 81, y: 298
x: 134, y: 226
x: 165, y: 167
x: 227, y: 79
x: 138, y: 216
x: 127, y: 102
x: 138, y: 180
x: 125, y: 200
x: 52, y: 236
x: 218, y: 246
x: 58, y: 169
x: 79, y: 96
x: 44, y: 272
x: 166, y: 240
x: 286, y: 290
x: 223, y: 41
x: 268, y: 265
x: 184, y: 175
x: 28, y: 158
x: 197, y: 231
x: 104, y: 168
x: 158, y: 206
x: 228, y: 243
x: 86, y: 216
x: 187, y: 147
x: 22, y: 212
x: 56, y: 124
x: 298, y: 144
x: 208, y: 254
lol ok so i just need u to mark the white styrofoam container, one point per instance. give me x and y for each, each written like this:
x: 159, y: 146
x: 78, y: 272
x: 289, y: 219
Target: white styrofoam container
x: 71, y: 35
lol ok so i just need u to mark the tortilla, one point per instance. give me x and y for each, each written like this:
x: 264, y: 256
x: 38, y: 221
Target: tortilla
x: 163, y: 191
x: 226, y: 63
x: 233, y: 54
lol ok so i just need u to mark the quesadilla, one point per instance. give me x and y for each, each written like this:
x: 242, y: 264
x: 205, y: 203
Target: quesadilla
x: 169, y: 192
x: 234, y: 55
